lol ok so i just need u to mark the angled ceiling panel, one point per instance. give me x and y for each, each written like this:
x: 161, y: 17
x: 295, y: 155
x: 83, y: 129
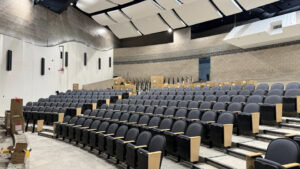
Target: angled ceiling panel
x: 198, y: 12
x: 172, y: 19
x: 118, y: 16
x: 228, y: 7
x: 188, y: 1
x: 121, y: 2
x: 142, y: 9
x: 250, y: 4
x: 103, y: 19
x: 91, y: 6
x: 168, y: 4
x: 124, y: 30
x: 150, y: 24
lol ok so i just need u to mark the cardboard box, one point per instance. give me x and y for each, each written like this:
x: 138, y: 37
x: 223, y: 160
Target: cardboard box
x: 157, y: 80
x: 18, y: 153
x: 16, y: 116
x: 75, y: 86
x: 119, y: 81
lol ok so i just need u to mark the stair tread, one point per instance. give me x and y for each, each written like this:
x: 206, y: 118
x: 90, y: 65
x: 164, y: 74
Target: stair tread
x: 240, y: 151
x: 204, y: 166
x: 268, y: 136
x: 286, y: 131
x: 291, y: 118
x: 230, y: 161
x: 209, y: 152
x: 256, y: 144
x: 241, y: 139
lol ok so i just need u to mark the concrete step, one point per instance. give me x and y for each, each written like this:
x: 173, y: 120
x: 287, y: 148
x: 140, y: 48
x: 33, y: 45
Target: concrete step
x: 239, y: 153
x: 203, y: 166
x: 281, y: 131
x: 227, y: 161
x: 256, y: 146
x: 46, y: 134
x: 266, y: 137
x: 292, y: 120
x: 290, y: 126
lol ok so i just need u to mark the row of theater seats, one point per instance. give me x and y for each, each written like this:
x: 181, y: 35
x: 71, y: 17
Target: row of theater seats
x: 95, y: 92
x: 182, y: 136
x: 251, y: 87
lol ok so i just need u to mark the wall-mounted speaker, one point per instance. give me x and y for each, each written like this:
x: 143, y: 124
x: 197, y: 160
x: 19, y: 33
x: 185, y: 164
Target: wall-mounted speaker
x: 9, y: 60
x: 109, y: 61
x: 99, y: 63
x: 66, y: 59
x: 43, y: 66
x: 85, y: 59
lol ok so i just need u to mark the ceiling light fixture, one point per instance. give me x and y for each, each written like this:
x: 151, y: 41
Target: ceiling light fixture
x: 170, y: 30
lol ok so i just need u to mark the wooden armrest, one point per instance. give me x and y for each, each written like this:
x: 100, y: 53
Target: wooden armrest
x: 177, y: 133
x: 71, y: 124
x: 206, y: 109
x: 291, y: 165
x: 252, y: 155
x: 210, y: 122
x: 100, y: 131
x: 78, y: 126
x: 221, y: 110
x: 115, y: 138
x: 132, y: 123
x: 291, y: 135
x: 194, y: 119
x: 84, y: 127
x: 129, y: 141
x: 165, y: 130
x: 152, y: 127
x: 91, y: 129
x: 123, y: 121
x: 114, y: 119
x: 142, y: 146
x: 236, y: 111
x: 109, y: 134
x: 142, y: 124
x: 180, y: 117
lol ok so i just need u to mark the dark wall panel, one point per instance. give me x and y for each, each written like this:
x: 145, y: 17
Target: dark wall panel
x: 9, y: 60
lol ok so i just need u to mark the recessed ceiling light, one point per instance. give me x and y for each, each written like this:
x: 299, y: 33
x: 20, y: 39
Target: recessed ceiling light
x: 170, y: 30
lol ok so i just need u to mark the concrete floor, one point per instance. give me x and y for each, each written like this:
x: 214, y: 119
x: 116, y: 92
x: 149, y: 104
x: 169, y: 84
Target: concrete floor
x: 50, y: 153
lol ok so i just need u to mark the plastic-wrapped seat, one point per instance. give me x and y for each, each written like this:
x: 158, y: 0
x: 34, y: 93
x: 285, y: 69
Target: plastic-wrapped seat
x: 131, y: 148
x: 117, y: 146
x: 153, y: 152
x: 248, y: 120
x: 177, y: 128
x: 290, y: 102
x: 188, y: 145
x: 111, y: 130
x: 271, y: 110
x: 281, y: 153
x: 220, y: 133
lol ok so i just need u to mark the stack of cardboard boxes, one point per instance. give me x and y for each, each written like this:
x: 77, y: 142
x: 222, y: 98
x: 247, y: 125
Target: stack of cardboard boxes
x: 16, y: 116
x: 120, y: 83
x: 157, y: 81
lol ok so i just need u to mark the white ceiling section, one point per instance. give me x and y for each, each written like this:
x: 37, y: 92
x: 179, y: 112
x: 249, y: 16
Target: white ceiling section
x: 172, y: 19
x: 228, y: 7
x: 118, y: 16
x: 142, y: 9
x: 168, y: 4
x: 91, y: 6
x: 250, y: 4
x: 124, y: 30
x: 284, y: 28
x: 121, y: 2
x: 103, y: 19
x: 197, y: 12
x: 151, y: 24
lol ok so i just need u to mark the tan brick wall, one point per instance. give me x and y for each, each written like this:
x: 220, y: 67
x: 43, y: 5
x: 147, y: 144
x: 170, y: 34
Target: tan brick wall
x: 280, y: 63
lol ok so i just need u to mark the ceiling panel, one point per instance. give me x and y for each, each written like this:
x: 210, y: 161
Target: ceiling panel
x: 124, y: 30
x: 172, y: 19
x: 103, y: 19
x: 118, y: 16
x: 121, y: 2
x: 91, y: 6
x: 198, y: 12
x: 228, y: 7
x: 142, y: 9
x: 168, y: 4
x: 250, y: 4
x: 150, y: 24
x: 188, y: 1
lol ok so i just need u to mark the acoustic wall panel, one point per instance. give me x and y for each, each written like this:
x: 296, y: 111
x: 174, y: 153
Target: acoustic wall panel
x: 250, y: 4
x: 91, y: 6
x: 124, y: 30
x: 228, y: 7
x: 84, y: 59
x: 9, y: 60
x: 150, y: 24
x: 168, y: 4
x: 43, y: 66
x: 172, y: 19
x: 103, y: 19
x: 118, y: 16
x: 66, y: 59
x: 99, y: 63
x: 121, y: 2
x: 198, y: 12
x: 142, y: 9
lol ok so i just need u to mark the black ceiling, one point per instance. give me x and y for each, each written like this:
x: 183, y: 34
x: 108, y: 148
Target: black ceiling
x: 57, y: 6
